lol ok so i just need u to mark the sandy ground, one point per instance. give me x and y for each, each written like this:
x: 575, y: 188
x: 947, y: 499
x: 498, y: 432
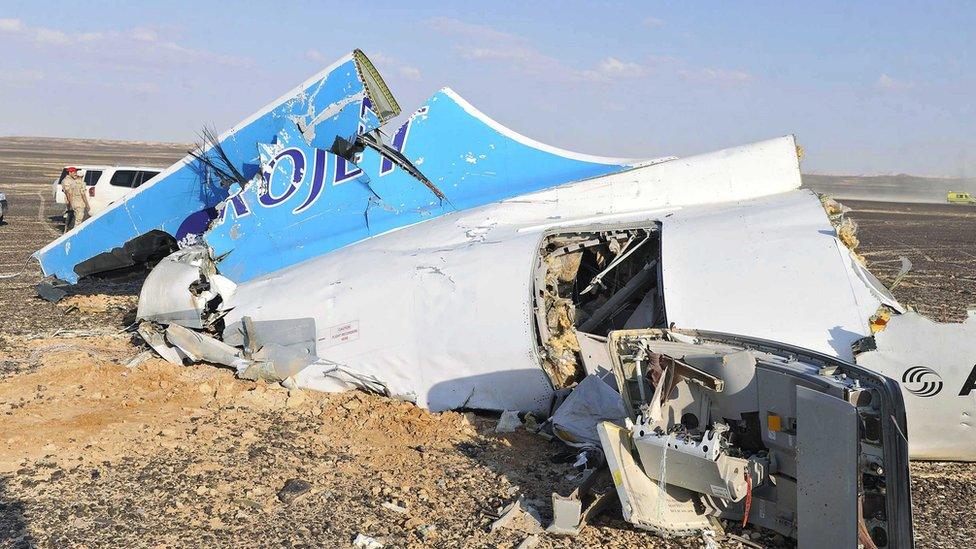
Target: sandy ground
x: 939, y: 240
x: 103, y: 444
x: 889, y: 188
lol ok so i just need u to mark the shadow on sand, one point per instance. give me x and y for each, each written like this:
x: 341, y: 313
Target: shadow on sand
x: 13, y: 524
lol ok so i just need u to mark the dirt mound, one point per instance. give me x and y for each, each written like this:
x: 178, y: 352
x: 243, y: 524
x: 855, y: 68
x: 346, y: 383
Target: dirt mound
x: 100, y: 397
x: 108, y: 443
x: 98, y: 303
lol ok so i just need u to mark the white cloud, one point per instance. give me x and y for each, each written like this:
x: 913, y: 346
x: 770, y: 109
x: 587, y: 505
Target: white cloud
x: 315, y: 55
x: 447, y: 25
x: 39, y: 35
x: 615, y: 67
x: 410, y: 73
x: 139, y: 47
x: 49, y: 36
x: 21, y: 76
x: 143, y: 34
x: 89, y: 36
x: 11, y: 25
x: 391, y: 63
x: 653, y: 22
x: 483, y: 43
x: 887, y: 83
x: 723, y: 77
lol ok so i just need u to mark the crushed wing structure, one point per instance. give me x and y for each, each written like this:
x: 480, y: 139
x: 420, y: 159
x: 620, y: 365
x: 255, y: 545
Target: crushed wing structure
x: 457, y: 264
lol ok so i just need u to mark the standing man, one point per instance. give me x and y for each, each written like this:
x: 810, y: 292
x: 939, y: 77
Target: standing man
x: 76, y: 192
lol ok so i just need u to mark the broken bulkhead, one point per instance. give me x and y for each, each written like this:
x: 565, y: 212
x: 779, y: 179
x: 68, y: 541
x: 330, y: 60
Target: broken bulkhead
x: 753, y: 431
x: 590, y: 282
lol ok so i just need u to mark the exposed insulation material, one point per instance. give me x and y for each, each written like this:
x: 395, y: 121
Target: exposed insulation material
x: 561, y: 347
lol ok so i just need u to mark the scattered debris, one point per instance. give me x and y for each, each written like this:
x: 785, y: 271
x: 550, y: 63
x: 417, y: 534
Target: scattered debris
x: 394, y: 507
x: 52, y: 290
x: 519, y: 516
x: 570, y: 513
x: 293, y: 489
x: 592, y: 402
x: 702, y: 440
x: 508, y: 422
x: 366, y: 542
x: 139, y: 359
x: 681, y: 448
x: 97, y: 303
x: 427, y: 531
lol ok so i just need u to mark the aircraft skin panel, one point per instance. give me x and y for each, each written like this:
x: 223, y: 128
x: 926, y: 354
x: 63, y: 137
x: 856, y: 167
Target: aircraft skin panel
x: 419, y: 341
x: 773, y: 269
x: 169, y: 201
x: 936, y: 365
x: 452, y: 317
x: 472, y: 159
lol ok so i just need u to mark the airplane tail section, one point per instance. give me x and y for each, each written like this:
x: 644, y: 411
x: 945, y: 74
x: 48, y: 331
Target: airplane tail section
x: 182, y: 201
x: 447, y: 156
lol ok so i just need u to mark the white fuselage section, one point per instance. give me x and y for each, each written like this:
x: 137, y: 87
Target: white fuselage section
x: 442, y: 311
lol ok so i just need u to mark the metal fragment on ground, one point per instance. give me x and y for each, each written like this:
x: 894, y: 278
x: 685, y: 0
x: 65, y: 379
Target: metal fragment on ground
x: 519, y: 516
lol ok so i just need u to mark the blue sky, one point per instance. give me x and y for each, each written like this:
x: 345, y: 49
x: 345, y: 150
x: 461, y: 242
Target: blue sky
x: 867, y: 88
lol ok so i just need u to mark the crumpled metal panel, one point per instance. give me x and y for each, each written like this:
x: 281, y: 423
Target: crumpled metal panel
x: 316, y: 202
x: 772, y: 268
x: 182, y: 199
x: 936, y: 365
x: 419, y: 307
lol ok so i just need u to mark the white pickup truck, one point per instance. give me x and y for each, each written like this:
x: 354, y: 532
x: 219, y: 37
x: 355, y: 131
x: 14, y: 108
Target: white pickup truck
x: 106, y: 184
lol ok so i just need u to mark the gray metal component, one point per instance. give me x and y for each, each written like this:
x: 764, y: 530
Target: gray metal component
x: 802, y: 416
x: 155, y: 338
x: 776, y: 394
x: 613, y: 304
x: 286, y: 332
x: 774, y: 505
x: 668, y: 509
x: 287, y: 361
x: 51, y: 290
x: 571, y: 513
x: 692, y: 465
x: 596, y: 358
x: 166, y: 296
x: 279, y: 348
x: 643, y: 316
x: 738, y: 371
x: 827, y: 444
x: 198, y: 346
x: 591, y: 402
x: 567, y: 514
x: 625, y: 252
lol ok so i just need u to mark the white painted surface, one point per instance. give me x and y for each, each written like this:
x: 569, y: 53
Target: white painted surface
x: 939, y: 426
x: 443, y: 308
x: 771, y: 268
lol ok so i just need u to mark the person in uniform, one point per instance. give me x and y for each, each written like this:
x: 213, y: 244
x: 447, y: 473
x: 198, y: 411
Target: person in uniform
x: 76, y: 192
